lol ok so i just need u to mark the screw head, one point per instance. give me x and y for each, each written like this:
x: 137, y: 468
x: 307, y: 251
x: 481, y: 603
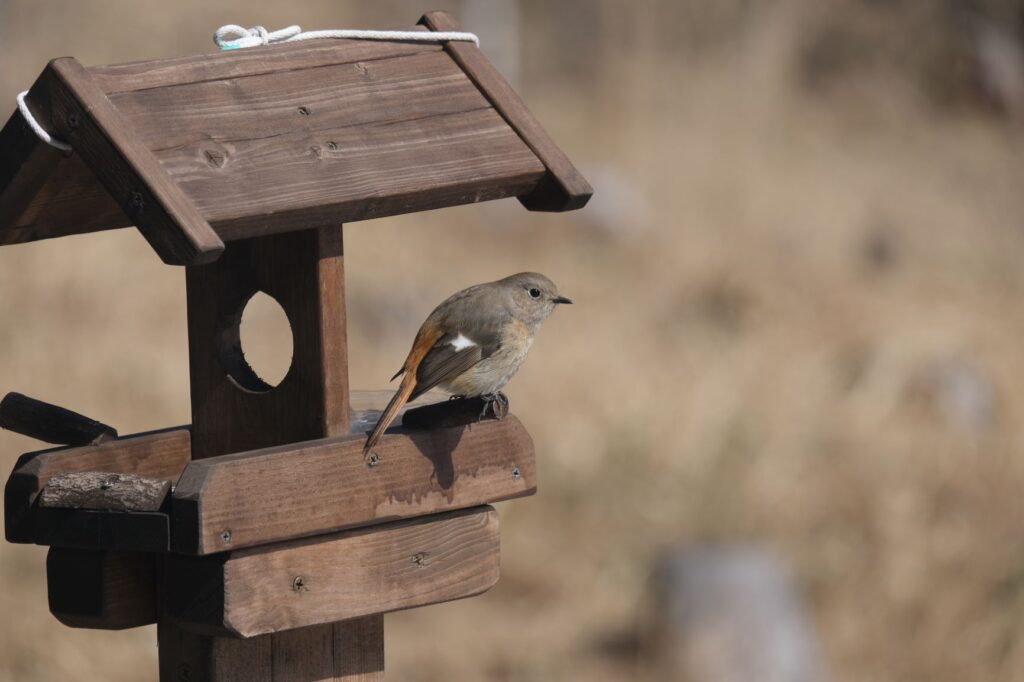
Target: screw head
x: 516, y: 474
x: 299, y: 584
x: 333, y: 146
x: 137, y: 202
x: 73, y: 120
x: 372, y: 459
x: 225, y: 537
x: 304, y: 111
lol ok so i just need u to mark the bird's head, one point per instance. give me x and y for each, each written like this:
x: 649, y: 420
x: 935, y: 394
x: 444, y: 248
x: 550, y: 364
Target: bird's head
x: 533, y: 296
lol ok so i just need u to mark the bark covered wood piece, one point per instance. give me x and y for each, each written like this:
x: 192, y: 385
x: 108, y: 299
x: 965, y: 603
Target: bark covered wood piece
x: 105, y: 491
x: 155, y: 454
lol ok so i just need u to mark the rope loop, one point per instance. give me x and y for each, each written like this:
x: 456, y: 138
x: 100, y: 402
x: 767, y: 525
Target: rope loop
x: 36, y: 128
x: 235, y: 37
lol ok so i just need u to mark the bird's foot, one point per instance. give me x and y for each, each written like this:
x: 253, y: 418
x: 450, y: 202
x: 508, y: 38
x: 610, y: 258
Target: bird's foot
x: 496, y: 404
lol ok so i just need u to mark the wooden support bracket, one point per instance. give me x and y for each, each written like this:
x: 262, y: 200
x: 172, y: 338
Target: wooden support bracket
x: 101, y: 589
x: 336, y: 577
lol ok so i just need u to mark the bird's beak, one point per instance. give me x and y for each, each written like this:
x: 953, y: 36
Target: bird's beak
x: 561, y: 299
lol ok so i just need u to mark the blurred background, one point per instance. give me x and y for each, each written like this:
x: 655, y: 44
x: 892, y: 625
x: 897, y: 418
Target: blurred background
x: 781, y: 433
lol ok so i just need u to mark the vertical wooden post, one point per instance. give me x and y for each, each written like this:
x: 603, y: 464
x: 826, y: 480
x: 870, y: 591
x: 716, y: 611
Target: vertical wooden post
x: 234, y: 410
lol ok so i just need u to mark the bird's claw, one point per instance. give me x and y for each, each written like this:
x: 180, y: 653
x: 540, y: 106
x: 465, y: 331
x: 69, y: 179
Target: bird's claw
x: 496, y: 404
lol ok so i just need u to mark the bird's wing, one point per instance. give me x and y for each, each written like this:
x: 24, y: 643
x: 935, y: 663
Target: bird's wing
x: 455, y: 353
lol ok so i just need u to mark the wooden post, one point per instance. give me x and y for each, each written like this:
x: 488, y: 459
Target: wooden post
x: 234, y: 410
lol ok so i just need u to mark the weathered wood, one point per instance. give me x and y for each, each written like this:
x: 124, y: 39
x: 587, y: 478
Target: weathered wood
x: 328, y: 578
x: 563, y: 187
x: 99, y: 589
x: 300, y: 179
x: 235, y: 64
x: 156, y: 454
x: 302, y: 489
x: 304, y: 273
x: 82, y: 116
x: 50, y: 423
x: 380, y: 92
x: 104, y: 490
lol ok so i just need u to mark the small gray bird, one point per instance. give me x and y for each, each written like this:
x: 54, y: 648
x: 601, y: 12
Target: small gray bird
x: 474, y: 342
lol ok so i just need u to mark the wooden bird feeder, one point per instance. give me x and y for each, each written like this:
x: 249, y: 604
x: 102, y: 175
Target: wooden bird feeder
x: 259, y: 538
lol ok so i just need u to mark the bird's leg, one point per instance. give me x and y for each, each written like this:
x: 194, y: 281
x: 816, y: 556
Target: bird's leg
x: 496, y: 403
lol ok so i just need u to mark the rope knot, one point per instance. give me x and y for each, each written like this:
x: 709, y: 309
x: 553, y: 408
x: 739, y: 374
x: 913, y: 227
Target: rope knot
x: 251, y: 37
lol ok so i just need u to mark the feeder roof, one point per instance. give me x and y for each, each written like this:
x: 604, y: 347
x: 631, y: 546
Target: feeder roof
x: 196, y: 151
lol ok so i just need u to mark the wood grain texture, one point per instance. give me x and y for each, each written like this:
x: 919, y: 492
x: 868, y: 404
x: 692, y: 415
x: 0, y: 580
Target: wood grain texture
x: 100, y: 589
x: 100, y: 490
x: 44, y: 192
x: 233, y: 409
x: 156, y: 454
x: 303, y: 489
x: 355, y: 652
x: 324, y: 98
x: 50, y: 423
x: 563, y: 187
x: 328, y: 578
x: 327, y: 177
x: 82, y: 115
x: 255, y: 61
x: 70, y: 201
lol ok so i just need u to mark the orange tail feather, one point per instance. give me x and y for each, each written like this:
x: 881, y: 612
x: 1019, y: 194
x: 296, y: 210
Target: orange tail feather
x: 391, y: 411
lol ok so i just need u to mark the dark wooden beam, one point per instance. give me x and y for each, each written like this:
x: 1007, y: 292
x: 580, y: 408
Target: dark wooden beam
x: 101, y: 589
x: 50, y: 423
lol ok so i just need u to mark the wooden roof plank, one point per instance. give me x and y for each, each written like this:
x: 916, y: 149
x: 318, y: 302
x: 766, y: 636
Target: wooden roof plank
x: 563, y: 188
x: 321, y: 98
x: 251, y: 61
x: 314, y: 179
x: 82, y: 115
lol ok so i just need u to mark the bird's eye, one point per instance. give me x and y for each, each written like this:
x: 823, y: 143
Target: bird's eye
x: 534, y: 293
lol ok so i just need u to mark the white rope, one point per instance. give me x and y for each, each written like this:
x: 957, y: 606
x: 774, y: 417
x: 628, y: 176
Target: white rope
x: 257, y: 35
x: 38, y: 129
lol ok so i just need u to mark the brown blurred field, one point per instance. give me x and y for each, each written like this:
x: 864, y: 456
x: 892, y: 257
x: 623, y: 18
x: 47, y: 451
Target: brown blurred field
x: 798, y: 323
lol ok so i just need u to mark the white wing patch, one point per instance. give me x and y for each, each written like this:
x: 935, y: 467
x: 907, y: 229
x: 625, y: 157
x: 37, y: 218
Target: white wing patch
x: 461, y: 342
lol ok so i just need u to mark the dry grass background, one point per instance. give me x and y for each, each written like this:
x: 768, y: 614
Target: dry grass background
x: 798, y: 324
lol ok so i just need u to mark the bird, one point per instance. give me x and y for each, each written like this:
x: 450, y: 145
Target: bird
x: 473, y: 343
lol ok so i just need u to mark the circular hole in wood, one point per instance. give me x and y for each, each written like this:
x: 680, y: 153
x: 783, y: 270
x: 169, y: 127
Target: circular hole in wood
x: 256, y: 346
